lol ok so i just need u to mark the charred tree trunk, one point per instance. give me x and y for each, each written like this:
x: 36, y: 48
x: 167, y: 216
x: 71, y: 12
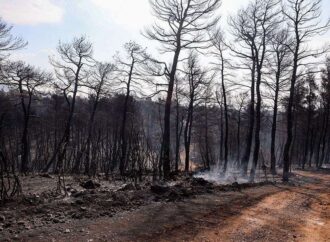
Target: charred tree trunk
x: 249, y: 137
x: 165, y: 161
x: 274, y: 127
x: 122, y: 163
x: 187, y: 132
x: 307, y: 139
x: 60, y: 149
x: 24, y: 140
x: 178, y: 132
x: 257, y: 128
x: 324, y: 136
x: 287, y: 147
x: 206, y: 134
x: 238, y: 136
x: 224, y: 94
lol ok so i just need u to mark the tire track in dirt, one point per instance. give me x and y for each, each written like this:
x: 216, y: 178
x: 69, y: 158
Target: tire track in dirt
x: 267, y: 213
x: 296, y: 214
x: 159, y: 221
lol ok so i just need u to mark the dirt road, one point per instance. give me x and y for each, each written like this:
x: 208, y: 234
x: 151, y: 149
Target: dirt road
x: 299, y: 212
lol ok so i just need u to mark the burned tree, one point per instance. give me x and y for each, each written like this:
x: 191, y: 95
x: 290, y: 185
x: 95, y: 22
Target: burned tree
x: 303, y: 18
x: 26, y: 80
x: 186, y: 22
x: 279, y: 63
x: 252, y: 29
x: 70, y: 70
x: 324, y: 113
x: 265, y: 22
x: 310, y: 102
x: 131, y: 76
x: 240, y: 101
x: 8, y: 42
x: 219, y: 45
x: 197, y: 81
x: 179, y: 122
x: 98, y: 83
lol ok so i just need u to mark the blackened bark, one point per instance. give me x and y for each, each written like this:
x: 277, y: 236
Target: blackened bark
x: 60, y: 149
x: 238, y: 136
x: 274, y: 126
x: 24, y: 140
x: 324, y: 136
x: 165, y: 149
x: 287, y: 147
x: 187, y: 132
x: 257, y: 128
x: 122, y: 163
x: 249, y: 137
x: 178, y: 131
x: 307, y: 138
x: 206, y: 136
x: 224, y: 94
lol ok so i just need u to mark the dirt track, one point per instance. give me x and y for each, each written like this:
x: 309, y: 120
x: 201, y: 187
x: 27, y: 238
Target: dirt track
x: 299, y: 212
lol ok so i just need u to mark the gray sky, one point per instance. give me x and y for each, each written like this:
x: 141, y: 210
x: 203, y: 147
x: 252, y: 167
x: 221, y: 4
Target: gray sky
x: 107, y: 23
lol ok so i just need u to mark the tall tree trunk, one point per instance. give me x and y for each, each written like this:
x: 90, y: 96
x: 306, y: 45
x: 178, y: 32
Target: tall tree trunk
x: 206, y: 134
x: 221, y: 134
x: 311, y: 147
x: 325, y: 133
x: 238, y: 137
x: 60, y: 150
x: 304, y: 161
x: 165, y: 161
x: 86, y: 146
x: 287, y: 147
x: 274, y: 125
x: 249, y: 137
x: 122, y: 163
x: 187, y: 133
x: 24, y: 139
x: 257, y: 129
x: 224, y: 94
x: 178, y: 132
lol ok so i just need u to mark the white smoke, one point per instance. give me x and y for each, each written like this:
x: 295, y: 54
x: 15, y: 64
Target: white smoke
x: 233, y: 174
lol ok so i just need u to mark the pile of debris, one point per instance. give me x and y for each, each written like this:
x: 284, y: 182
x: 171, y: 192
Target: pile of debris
x: 183, y: 189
